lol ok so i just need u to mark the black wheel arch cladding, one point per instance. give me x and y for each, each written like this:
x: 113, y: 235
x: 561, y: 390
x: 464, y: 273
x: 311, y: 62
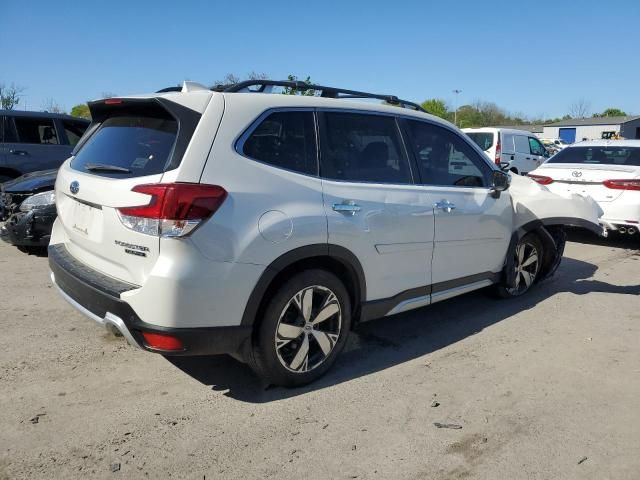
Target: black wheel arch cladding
x: 299, y: 256
x: 551, y: 235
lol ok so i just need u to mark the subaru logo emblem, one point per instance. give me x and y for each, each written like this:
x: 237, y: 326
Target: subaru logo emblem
x: 74, y: 187
x: 577, y: 174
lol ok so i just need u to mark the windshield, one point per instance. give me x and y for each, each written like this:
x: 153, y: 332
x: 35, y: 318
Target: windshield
x: 129, y: 146
x: 483, y: 139
x: 598, y: 155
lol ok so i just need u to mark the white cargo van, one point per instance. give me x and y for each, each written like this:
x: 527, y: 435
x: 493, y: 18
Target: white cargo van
x: 520, y: 150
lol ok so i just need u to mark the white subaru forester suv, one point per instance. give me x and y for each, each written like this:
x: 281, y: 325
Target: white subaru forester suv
x: 267, y: 226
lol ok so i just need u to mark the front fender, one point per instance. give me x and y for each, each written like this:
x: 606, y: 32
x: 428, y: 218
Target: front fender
x: 533, y: 204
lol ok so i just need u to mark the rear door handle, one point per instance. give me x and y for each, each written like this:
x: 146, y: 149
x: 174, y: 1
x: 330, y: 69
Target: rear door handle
x: 349, y: 207
x: 445, y: 205
x: 18, y: 152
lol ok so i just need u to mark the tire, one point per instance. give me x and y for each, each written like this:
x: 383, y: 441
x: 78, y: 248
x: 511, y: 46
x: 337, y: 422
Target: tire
x: 289, y: 349
x: 527, y: 274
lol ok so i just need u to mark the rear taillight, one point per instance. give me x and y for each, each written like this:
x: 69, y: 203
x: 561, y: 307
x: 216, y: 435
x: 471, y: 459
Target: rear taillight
x: 541, y: 179
x: 498, y: 158
x: 630, y: 184
x: 173, y: 209
x: 162, y: 341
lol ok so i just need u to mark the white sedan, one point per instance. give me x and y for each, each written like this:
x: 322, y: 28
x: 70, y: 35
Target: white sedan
x: 606, y: 170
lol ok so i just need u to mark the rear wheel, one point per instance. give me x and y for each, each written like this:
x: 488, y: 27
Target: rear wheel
x: 527, y: 261
x: 303, y: 329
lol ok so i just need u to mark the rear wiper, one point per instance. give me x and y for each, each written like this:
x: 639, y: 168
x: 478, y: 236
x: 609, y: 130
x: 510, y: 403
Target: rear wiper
x: 101, y: 167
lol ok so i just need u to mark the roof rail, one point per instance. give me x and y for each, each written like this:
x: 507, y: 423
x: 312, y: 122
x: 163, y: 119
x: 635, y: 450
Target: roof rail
x: 327, y: 92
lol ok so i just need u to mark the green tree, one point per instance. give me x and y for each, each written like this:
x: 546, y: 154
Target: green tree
x: 436, y: 107
x: 231, y: 78
x: 612, y: 112
x: 81, y: 110
x: 294, y: 91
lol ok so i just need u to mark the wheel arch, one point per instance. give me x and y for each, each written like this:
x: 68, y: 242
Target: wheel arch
x: 333, y: 258
x: 551, y: 234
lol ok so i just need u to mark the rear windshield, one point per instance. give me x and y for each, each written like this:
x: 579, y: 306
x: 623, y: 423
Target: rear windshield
x: 483, y: 139
x: 129, y: 145
x: 598, y: 155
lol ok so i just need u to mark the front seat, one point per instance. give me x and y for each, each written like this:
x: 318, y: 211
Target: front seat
x: 48, y: 134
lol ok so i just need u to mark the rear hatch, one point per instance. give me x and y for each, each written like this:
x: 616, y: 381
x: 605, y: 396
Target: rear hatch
x: 486, y: 140
x: 132, y: 142
x: 584, y: 169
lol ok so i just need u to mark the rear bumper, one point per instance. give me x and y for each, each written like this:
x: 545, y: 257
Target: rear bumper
x: 624, y: 211
x: 98, y: 297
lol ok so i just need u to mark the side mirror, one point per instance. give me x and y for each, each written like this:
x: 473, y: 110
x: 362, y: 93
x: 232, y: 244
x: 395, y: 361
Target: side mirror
x: 500, y: 181
x: 504, y: 166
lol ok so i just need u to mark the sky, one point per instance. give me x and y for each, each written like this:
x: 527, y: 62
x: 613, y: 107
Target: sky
x: 530, y: 58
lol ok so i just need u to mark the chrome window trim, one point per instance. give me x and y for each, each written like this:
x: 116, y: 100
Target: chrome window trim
x: 238, y: 143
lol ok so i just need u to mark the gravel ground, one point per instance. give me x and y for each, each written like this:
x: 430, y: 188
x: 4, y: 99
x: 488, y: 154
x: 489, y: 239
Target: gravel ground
x: 544, y: 387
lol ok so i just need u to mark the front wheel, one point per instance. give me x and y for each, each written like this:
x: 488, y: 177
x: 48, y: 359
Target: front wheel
x: 303, y: 329
x: 526, y: 263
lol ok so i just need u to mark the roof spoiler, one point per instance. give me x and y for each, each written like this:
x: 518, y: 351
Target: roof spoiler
x: 186, y: 87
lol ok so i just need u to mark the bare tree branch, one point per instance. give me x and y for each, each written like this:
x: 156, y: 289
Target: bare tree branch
x: 580, y: 108
x: 51, y: 106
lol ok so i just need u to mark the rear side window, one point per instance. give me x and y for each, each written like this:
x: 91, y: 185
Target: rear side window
x: 285, y: 140
x: 483, y: 139
x: 74, y: 130
x: 507, y: 143
x: 444, y: 158
x: 522, y: 144
x: 363, y: 148
x: 36, y: 130
x: 126, y: 145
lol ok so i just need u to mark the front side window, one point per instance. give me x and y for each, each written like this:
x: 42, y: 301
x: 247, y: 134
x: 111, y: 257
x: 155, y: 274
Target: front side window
x: 36, y: 130
x: 285, y: 140
x: 363, y: 148
x: 444, y: 158
x: 536, y: 147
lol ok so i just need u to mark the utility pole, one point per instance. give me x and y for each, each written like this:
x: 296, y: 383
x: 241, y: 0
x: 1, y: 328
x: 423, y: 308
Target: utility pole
x: 455, y: 112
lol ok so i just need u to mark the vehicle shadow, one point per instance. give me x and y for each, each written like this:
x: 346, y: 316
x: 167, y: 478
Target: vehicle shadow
x: 614, y: 240
x: 390, y: 341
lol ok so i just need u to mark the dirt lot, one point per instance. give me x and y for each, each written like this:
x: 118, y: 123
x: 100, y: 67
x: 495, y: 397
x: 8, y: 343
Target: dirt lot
x: 538, y: 384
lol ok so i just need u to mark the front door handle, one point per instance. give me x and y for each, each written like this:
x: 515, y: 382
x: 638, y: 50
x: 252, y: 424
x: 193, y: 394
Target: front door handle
x: 19, y: 152
x: 445, y: 205
x: 349, y: 207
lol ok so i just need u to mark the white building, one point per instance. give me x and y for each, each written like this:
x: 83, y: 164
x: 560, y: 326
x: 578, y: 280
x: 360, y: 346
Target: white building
x: 597, y: 128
